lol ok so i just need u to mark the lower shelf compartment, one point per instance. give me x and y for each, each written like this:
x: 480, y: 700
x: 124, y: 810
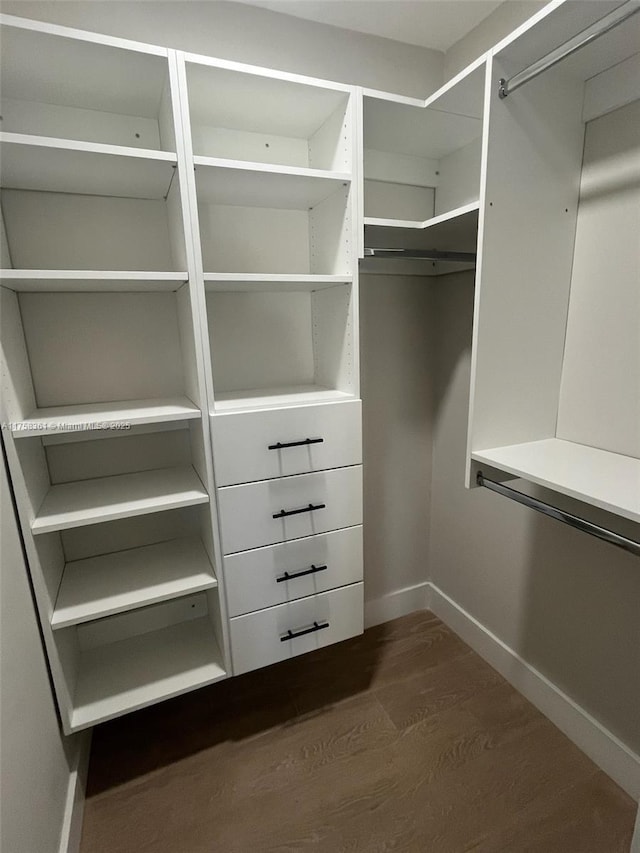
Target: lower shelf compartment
x: 603, y: 479
x: 129, y: 674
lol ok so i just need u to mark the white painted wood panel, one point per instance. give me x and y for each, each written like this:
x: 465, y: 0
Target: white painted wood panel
x: 252, y: 576
x: 241, y: 441
x: 400, y: 168
x: 533, y: 170
x: 210, y: 141
x: 600, y: 390
x: 65, y: 419
x: 246, y: 512
x: 129, y: 674
x: 606, y: 480
x: 113, y: 583
x: 110, y: 498
x: 256, y: 638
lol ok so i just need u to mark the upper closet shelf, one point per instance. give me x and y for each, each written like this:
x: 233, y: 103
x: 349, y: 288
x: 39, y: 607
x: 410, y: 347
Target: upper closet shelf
x: 250, y: 282
x: 606, y: 480
x: 459, y: 212
x: 122, y: 496
x: 85, y: 168
x: 92, y: 416
x: 83, y: 281
x: 230, y: 182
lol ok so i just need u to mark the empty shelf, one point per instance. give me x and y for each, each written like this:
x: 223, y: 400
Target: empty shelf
x: 233, y: 182
x: 66, y: 166
x: 249, y: 282
x: 130, y: 674
x: 109, y: 498
x: 270, y: 398
x: 113, y: 583
x: 458, y: 212
x: 93, y: 416
x: 84, y: 281
x: 606, y: 480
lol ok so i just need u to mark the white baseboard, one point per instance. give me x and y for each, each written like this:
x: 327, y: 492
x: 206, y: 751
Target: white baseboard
x: 398, y: 603
x: 74, y: 807
x: 604, y: 748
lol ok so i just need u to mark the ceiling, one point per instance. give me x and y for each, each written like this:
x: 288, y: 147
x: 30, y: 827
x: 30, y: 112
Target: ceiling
x: 437, y: 24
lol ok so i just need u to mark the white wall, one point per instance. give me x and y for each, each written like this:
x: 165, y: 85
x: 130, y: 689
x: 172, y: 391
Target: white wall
x: 36, y: 763
x: 256, y: 36
x: 509, y: 15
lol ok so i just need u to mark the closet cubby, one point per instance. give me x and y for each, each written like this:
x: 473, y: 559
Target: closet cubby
x: 265, y: 222
x: 303, y: 344
x: 422, y: 158
x: 84, y: 89
x: 554, y: 394
x: 268, y: 118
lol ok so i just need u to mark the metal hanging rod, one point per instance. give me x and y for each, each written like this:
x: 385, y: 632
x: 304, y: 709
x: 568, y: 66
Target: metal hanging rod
x: 422, y: 255
x: 560, y: 515
x: 591, y: 33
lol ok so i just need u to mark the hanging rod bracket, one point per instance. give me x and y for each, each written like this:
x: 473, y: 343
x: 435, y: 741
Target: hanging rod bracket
x: 588, y: 35
x: 569, y: 518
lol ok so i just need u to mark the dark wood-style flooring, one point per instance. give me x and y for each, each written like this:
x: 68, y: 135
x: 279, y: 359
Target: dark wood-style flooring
x: 400, y: 740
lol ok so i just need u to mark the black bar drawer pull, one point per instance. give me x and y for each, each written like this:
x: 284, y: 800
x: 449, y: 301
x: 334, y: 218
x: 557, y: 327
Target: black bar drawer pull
x: 287, y: 577
x: 285, y: 512
x: 280, y: 446
x: 291, y: 635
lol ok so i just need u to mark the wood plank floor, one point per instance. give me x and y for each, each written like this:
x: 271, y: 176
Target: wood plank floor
x: 400, y: 740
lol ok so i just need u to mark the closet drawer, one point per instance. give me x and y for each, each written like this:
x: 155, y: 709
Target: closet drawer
x: 288, y: 508
x: 256, y: 579
x: 242, y: 441
x: 261, y: 638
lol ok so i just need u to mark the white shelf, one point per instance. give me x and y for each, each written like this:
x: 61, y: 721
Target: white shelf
x: 86, y: 168
x: 237, y: 183
x: 84, y: 281
x: 129, y: 674
x: 122, y: 496
x: 607, y: 480
x: 113, y: 583
x: 271, y: 398
x: 249, y: 282
x: 91, y: 416
x: 458, y: 213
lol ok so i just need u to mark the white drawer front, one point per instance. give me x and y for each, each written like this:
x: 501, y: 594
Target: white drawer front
x: 247, y: 512
x: 242, y: 440
x: 258, y: 578
x: 257, y: 638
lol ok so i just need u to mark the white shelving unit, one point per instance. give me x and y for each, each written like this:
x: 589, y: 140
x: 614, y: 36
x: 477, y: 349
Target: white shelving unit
x: 422, y: 164
x: 556, y: 355
x: 273, y: 211
x: 103, y: 377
